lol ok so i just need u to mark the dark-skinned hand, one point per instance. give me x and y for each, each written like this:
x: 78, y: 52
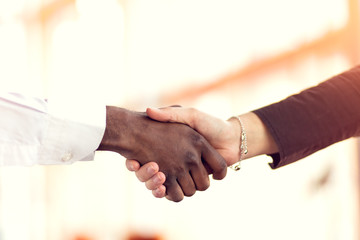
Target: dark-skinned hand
x: 183, y: 155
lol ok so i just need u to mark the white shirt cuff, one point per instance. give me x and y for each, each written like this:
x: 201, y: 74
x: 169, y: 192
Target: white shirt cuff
x: 72, y: 134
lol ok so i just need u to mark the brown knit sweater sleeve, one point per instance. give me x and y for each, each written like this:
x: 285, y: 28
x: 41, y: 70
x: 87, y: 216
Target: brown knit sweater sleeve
x: 315, y: 118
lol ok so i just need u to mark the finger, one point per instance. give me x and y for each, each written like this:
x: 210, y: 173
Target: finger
x: 147, y: 171
x: 156, y: 181
x: 173, y: 190
x: 187, y: 185
x: 132, y: 165
x: 201, y: 178
x: 171, y: 114
x: 207, y: 167
x: 215, y: 161
x: 159, y: 192
x: 161, y: 115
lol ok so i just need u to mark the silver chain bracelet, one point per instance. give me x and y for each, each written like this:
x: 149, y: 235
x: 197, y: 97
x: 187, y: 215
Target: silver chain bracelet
x: 243, y: 145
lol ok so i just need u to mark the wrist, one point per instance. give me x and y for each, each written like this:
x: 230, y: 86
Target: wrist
x: 234, y: 135
x: 259, y: 139
x: 114, y: 138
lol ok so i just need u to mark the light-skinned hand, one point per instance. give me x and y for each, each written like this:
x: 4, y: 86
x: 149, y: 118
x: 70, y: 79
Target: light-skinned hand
x: 223, y: 135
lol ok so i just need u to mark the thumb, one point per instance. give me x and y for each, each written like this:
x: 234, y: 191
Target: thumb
x: 170, y: 114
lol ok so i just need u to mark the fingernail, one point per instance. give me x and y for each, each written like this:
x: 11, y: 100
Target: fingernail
x: 151, y: 170
x: 157, y: 180
x: 157, y: 192
x: 160, y: 192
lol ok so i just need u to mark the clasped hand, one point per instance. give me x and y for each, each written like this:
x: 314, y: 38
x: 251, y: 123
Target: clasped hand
x: 224, y: 136
x: 184, y: 157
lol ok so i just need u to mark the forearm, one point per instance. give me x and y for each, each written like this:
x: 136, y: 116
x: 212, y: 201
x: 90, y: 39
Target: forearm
x: 314, y: 119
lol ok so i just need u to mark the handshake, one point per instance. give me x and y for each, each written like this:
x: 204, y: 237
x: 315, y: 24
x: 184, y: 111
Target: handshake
x: 174, y: 149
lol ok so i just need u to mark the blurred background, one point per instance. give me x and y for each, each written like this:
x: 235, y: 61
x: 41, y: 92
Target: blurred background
x: 224, y: 57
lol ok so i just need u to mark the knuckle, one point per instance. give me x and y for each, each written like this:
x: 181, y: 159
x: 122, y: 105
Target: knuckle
x: 177, y: 172
x: 220, y: 175
x: 193, y: 116
x: 191, y: 157
x: 192, y: 161
x: 158, y: 193
x: 161, y: 177
x: 196, y: 138
x: 220, y: 170
x: 223, y: 166
x: 177, y: 198
x: 192, y: 111
x: 204, y: 186
x: 149, y: 185
x: 140, y: 177
x: 173, y: 117
x: 191, y: 193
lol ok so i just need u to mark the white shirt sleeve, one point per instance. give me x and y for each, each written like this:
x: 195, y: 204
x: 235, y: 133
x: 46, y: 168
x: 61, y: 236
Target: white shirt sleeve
x: 34, y: 131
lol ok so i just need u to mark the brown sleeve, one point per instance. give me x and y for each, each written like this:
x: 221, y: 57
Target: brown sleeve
x: 315, y: 118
